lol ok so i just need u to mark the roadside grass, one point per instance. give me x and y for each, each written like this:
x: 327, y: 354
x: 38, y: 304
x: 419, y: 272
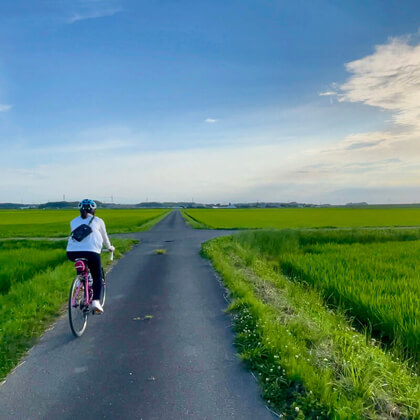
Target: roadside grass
x: 310, y: 361
x: 33, y: 302
x: 282, y: 218
x: 56, y: 223
x: 372, y: 275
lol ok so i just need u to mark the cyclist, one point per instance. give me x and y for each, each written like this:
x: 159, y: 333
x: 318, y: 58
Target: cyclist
x: 90, y: 247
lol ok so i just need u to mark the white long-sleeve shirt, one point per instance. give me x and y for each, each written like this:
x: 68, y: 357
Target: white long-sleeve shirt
x: 93, y: 242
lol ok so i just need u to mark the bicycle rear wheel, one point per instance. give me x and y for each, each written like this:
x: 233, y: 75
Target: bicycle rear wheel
x: 78, y: 310
x: 103, y: 290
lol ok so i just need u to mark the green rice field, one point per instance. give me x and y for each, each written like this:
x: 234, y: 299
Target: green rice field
x: 20, y: 260
x: 35, y: 278
x: 328, y: 320
x: 56, y: 223
x: 302, y: 218
x: 373, y: 275
x: 35, y: 275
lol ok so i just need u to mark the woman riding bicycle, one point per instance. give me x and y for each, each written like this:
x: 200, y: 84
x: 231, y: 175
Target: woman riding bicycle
x: 90, y: 246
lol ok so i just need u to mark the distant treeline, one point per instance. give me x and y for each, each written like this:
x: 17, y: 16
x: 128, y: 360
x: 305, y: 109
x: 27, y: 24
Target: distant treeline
x: 183, y: 204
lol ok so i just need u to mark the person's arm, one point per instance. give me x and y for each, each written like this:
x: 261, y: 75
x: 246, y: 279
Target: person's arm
x: 104, y: 235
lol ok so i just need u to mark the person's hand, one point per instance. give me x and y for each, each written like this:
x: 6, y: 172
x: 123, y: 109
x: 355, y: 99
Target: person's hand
x: 111, y: 248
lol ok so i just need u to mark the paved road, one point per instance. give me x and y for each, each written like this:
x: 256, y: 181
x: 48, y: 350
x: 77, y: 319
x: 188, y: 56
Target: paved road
x: 180, y: 364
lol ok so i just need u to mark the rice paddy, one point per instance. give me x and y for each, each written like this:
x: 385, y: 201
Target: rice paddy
x: 21, y: 260
x: 327, y: 320
x: 373, y: 275
x: 56, y: 223
x: 35, y: 277
x: 281, y: 218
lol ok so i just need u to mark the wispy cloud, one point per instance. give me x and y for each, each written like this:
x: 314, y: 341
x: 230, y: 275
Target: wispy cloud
x: 363, y: 166
x: 328, y: 93
x: 272, y: 173
x: 168, y: 173
x: 388, y: 79
x: 364, y: 144
x: 93, y: 14
x: 4, y: 107
x: 381, y: 160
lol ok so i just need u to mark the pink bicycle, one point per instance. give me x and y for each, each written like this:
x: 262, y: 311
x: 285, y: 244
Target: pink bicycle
x: 80, y: 298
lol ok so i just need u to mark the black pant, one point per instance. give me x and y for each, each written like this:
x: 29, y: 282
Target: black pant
x: 94, y: 264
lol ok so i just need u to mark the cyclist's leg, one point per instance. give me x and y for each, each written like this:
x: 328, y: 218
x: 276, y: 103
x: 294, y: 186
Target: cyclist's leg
x: 72, y: 255
x: 94, y: 263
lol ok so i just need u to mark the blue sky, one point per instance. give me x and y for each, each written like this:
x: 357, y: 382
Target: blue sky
x: 312, y: 101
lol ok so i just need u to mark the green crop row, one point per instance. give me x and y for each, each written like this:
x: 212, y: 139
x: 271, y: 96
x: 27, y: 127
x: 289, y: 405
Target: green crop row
x: 373, y: 275
x: 56, y: 223
x: 303, y: 217
x: 310, y: 360
x: 37, y: 295
x: 21, y: 260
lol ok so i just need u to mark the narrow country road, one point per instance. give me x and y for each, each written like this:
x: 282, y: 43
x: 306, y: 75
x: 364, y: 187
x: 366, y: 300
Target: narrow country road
x: 178, y: 364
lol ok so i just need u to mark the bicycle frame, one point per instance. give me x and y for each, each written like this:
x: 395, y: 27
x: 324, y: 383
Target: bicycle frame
x: 80, y: 307
x: 83, y: 272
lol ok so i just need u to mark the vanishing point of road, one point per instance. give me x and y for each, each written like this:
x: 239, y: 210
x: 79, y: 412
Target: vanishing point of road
x: 162, y: 350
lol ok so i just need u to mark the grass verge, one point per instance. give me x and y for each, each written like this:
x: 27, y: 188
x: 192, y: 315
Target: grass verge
x: 194, y: 223
x: 31, y: 305
x: 311, y: 363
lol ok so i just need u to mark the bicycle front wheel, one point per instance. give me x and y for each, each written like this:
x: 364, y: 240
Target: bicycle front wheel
x: 78, y: 310
x: 103, y: 289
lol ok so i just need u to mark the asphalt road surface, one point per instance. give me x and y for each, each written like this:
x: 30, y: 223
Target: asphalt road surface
x: 163, y: 349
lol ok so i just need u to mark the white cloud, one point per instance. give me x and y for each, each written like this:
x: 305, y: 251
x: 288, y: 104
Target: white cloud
x: 388, y: 79
x: 328, y: 93
x: 219, y: 173
x: 236, y: 173
x: 93, y: 14
x: 4, y: 107
x: 383, y: 162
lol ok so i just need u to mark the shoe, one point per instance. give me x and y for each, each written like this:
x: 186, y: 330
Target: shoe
x: 96, y: 306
